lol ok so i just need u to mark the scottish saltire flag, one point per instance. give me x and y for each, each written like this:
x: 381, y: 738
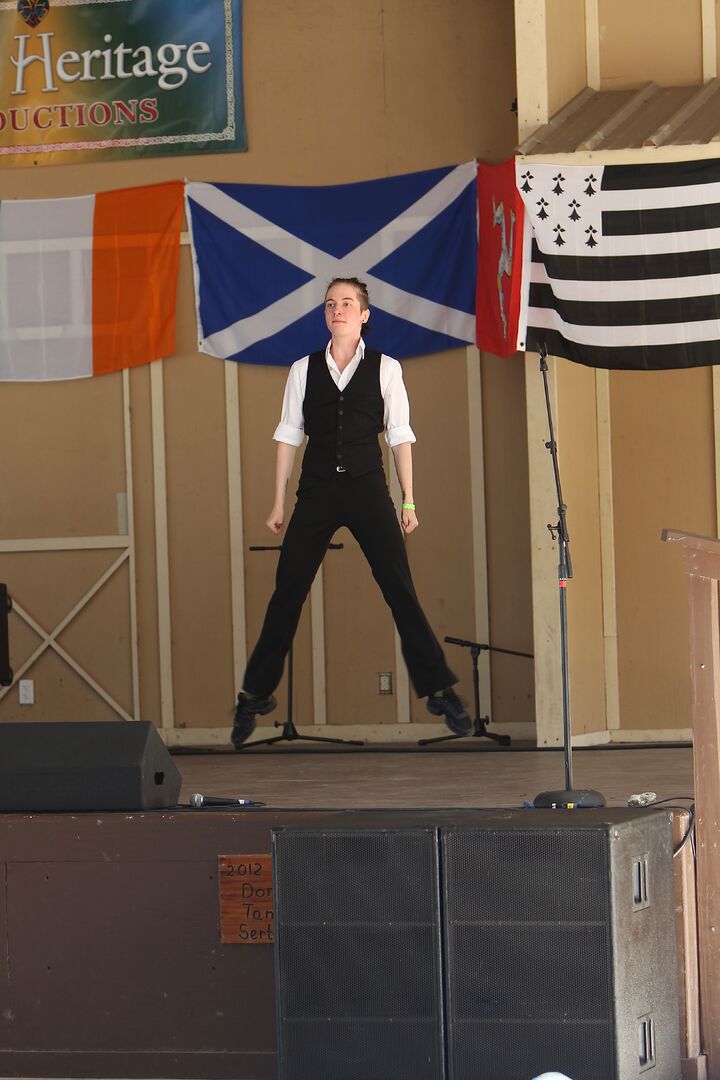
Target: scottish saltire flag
x: 263, y: 257
x: 623, y: 267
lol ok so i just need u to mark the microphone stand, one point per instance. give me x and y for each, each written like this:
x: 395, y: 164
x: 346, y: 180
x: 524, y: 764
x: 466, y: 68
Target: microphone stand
x: 480, y: 723
x: 570, y: 798
x: 289, y: 732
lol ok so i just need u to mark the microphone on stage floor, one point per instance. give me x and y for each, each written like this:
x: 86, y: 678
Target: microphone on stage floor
x: 198, y: 801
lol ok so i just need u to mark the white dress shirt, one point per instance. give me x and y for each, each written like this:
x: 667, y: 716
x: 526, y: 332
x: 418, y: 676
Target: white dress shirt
x: 291, y: 428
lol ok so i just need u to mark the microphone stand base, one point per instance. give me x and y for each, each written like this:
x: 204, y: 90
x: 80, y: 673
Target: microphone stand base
x: 580, y: 799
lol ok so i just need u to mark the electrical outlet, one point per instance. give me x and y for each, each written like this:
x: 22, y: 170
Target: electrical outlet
x: 385, y: 682
x: 26, y: 691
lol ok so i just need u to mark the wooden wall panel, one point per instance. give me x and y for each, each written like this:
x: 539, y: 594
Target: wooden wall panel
x: 508, y: 536
x: 61, y: 461
x: 436, y: 111
x: 658, y: 40
x: 567, y: 74
x: 664, y: 476
x: 576, y: 434
x: 441, y: 549
x: 199, y: 544
x: 144, y: 488
x: 48, y: 585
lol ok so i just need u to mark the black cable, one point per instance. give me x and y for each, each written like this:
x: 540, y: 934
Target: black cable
x: 689, y: 832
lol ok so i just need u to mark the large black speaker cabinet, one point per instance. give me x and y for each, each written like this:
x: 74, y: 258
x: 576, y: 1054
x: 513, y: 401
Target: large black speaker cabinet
x: 552, y: 949
x: 560, y: 947
x: 358, y: 954
x: 94, y: 766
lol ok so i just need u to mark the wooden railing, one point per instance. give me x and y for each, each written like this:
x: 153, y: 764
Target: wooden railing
x: 701, y: 556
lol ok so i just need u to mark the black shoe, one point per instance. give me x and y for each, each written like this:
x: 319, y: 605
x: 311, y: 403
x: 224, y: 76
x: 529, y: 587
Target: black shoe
x: 449, y: 705
x: 246, y: 710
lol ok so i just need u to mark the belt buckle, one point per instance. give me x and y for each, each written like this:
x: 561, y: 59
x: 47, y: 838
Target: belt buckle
x: 340, y: 468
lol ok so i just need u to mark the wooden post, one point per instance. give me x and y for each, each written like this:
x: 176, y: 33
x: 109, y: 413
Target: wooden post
x: 701, y: 556
x: 692, y: 1059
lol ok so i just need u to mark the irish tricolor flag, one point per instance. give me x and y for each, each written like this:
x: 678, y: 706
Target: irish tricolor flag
x: 88, y: 285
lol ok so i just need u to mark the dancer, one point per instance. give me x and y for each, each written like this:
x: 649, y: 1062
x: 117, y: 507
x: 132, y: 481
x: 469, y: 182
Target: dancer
x: 342, y: 398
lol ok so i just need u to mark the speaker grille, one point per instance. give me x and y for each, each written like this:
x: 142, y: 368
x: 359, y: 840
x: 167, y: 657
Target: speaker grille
x: 382, y: 968
x: 525, y: 875
x: 530, y: 971
x: 358, y: 954
x: 357, y: 876
x: 539, y: 957
x: 528, y: 951
x: 518, y: 1051
x: 384, y: 1050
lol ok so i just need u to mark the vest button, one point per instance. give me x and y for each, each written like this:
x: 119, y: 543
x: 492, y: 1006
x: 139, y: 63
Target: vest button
x: 341, y: 398
x: 340, y: 412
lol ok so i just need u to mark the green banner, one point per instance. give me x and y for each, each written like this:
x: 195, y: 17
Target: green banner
x: 88, y: 80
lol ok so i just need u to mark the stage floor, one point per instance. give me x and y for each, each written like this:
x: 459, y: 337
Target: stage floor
x: 293, y: 777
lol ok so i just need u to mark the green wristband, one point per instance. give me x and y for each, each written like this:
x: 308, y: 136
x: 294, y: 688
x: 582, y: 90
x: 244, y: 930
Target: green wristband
x: 408, y: 506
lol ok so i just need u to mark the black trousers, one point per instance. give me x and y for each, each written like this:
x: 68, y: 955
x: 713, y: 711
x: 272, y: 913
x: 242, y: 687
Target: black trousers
x: 363, y: 504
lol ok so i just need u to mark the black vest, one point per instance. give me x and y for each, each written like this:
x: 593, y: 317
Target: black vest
x: 343, y: 425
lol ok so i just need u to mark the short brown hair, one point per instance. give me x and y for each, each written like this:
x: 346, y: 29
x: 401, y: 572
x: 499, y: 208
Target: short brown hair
x: 362, y: 294
x: 360, y: 288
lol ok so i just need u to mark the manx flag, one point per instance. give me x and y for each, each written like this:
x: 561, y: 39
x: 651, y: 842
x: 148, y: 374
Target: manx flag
x: 623, y: 270
x: 88, y: 285
x: 264, y: 255
x: 501, y: 218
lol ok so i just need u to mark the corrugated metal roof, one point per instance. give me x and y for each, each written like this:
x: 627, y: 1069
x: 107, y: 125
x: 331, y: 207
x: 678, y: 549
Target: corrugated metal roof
x: 630, y: 119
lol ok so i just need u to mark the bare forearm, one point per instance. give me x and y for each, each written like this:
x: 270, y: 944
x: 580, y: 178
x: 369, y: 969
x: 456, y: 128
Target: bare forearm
x: 402, y: 453
x: 403, y: 467
x: 284, y: 461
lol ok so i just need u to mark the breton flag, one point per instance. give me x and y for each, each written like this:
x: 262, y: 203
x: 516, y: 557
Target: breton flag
x: 88, y: 285
x: 264, y: 255
x: 623, y: 270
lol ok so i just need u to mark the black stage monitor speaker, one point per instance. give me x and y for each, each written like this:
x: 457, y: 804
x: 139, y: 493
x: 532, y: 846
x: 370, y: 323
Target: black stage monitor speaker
x: 358, y: 959
x: 116, y: 765
x: 560, y: 947
x: 556, y: 938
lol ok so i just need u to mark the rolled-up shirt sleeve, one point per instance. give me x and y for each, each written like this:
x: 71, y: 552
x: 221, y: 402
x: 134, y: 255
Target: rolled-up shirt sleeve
x: 397, y: 406
x: 291, y: 428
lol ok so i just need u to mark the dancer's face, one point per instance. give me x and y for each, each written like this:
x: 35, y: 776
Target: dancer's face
x: 343, y: 314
